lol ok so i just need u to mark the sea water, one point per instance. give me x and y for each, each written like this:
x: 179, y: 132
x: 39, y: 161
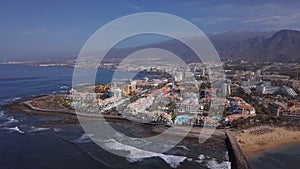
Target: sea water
x: 282, y: 158
x: 26, y: 143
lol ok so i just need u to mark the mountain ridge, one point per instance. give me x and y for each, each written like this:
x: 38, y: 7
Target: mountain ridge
x: 253, y: 46
x: 282, y: 46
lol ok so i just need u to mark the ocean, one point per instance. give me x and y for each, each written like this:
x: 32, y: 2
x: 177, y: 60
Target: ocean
x: 26, y: 143
x: 282, y: 158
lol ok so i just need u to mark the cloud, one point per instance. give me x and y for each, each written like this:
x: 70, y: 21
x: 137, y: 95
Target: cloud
x: 259, y: 15
x: 275, y: 19
x: 131, y: 6
x: 270, y: 14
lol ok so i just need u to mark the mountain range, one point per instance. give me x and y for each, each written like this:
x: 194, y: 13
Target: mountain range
x: 281, y: 46
x: 253, y: 46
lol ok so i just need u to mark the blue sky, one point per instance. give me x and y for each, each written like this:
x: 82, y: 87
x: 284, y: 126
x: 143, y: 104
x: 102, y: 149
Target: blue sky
x: 54, y: 28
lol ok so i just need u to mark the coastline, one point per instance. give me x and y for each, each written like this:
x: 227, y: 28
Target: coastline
x: 20, y: 107
x: 70, y: 117
x: 241, y: 145
x: 239, y: 160
x: 255, y: 145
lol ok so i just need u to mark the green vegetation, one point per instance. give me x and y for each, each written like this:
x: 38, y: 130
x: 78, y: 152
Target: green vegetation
x: 134, y: 97
x: 171, y: 107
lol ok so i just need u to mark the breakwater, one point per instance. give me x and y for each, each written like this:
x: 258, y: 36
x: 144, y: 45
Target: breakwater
x: 236, y: 156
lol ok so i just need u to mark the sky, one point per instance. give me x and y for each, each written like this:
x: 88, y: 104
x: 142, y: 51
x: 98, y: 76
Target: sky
x: 59, y: 28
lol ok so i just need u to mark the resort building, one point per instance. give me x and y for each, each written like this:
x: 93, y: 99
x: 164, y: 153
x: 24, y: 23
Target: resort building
x: 239, y: 106
x: 116, y: 92
x: 233, y: 117
x: 140, y: 105
x: 289, y: 92
x: 246, y: 109
x: 184, y: 120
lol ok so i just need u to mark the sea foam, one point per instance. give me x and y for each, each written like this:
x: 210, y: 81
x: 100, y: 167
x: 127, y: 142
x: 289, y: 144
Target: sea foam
x: 2, y: 114
x: 200, y: 159
x: 37, y: 129
x: 64, y: 87
x: 16, y: 129
x: 17, y: 98
x: 136, y: 154
x: 84, y: 138
x: 10, y: 120
x: 183, y: 147
x: 213, y: 164
x: 57, y: 129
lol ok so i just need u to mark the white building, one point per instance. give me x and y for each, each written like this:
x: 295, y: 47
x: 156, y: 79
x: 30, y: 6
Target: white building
x: 178, y: 76
x: 289, y: 91
x: 116, y: 92
x: 133, y: 83
x: 188, y: 74
x: 246, y: 109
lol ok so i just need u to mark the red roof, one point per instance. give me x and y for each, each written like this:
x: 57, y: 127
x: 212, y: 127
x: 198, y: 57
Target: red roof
x: 246, y: 107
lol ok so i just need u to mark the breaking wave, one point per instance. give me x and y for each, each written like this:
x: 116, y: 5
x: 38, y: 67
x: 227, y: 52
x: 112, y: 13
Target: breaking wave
x: 10, y: 120
x: 57, y: 129
x: 37, y: 129
x: 200, y: 158
x: 136, y: 154
x: 2, y: 114
x: 64, y: 87
x: 14, y: 129
x: 84, y: 138
x: 12, y: 100
x: 183, y: 147
x: 63, y: 91
x: 213, y: 164
x: 17, y: 98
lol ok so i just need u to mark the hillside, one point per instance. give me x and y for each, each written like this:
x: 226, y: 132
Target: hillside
x: 282, y: 46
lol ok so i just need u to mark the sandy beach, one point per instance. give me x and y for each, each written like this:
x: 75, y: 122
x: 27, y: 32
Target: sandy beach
x: 261, y: 139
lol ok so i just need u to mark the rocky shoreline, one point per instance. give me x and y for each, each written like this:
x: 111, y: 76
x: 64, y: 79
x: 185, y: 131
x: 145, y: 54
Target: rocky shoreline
x: 219, y: 138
